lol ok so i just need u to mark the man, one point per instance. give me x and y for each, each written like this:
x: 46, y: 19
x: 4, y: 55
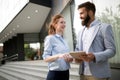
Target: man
x: 97, y: 40
x: 1, y: 58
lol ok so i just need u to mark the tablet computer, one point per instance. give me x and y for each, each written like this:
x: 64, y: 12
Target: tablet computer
x: 77, y: 55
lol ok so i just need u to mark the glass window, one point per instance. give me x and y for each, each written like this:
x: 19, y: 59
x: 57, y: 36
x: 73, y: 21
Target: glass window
x: 110, y: 13
x: 32, y: 51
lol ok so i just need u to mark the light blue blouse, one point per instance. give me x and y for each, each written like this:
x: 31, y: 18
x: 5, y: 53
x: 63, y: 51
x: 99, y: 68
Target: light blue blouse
x: 55, y: 44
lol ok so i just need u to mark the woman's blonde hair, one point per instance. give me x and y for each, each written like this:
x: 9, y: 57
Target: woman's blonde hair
x: 55, y: 19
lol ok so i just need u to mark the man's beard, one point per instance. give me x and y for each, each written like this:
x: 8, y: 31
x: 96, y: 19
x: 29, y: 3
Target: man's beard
x: 85, y: 22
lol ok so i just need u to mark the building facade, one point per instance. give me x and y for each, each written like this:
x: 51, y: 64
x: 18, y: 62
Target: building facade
x: 30, y: 24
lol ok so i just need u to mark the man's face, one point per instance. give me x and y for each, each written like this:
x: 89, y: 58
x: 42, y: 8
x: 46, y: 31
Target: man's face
x: 84, y: 16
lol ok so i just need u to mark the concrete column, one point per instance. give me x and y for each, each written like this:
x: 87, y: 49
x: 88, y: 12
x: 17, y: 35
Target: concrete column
x: 20, y: 47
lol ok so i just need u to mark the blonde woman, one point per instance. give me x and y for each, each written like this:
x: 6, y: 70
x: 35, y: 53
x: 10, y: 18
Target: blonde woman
x: 56, y: 50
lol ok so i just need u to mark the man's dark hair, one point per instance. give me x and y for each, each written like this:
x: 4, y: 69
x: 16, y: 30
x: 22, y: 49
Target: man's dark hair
x: 88, y: 5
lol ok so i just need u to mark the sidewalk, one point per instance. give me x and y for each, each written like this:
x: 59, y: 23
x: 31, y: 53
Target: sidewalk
x: 115, y: 74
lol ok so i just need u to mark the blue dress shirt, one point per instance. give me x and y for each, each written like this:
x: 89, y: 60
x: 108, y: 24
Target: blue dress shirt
x: 55, y: 44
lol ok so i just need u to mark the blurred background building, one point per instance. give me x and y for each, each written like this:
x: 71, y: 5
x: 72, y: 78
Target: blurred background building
x: 23, y: 26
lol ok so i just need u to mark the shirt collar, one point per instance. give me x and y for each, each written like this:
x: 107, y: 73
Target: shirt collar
x: 57, y: 35
x: 94, y: 23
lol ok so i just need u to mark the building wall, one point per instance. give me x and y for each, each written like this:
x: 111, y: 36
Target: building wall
x: 1, y: 48
x: 58, y: 6
x: 110, y: 13
x: 1, y: 51
x: 68, y: 30
x: 63, y: 7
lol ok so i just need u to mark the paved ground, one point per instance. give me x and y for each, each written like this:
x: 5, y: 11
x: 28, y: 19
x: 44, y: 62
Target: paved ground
x: 115, y: 74
x: 1, y: 78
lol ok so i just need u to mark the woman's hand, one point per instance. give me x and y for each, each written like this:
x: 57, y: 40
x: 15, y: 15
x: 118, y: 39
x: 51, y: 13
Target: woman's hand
x: 67, y: 57
x: 78, y: 60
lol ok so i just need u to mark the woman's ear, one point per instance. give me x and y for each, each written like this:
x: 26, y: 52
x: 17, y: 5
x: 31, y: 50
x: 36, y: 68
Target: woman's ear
x: 55, y: 26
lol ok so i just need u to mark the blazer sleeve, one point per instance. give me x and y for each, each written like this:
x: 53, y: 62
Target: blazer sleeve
x: 109, y: 44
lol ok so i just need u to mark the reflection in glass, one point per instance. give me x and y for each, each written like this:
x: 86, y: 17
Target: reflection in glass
x: 110, y: 13
x: 32, y: 51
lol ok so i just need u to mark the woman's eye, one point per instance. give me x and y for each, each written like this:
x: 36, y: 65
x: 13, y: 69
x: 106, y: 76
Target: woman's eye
x: 63, y: 22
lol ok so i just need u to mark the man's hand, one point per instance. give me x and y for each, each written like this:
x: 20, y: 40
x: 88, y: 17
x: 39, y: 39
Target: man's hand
x: 90, y: 57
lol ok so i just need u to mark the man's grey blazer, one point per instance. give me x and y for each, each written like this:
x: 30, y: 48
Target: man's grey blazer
x: 102, y: 45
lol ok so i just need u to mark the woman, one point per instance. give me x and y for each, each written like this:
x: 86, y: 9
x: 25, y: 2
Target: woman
x: 56, y: 50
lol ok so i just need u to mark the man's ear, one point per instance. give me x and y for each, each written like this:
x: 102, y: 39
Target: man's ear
x: 91, y: 13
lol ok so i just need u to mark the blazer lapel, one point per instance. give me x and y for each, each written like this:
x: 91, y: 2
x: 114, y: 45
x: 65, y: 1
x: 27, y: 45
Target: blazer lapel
x: 94, y: 34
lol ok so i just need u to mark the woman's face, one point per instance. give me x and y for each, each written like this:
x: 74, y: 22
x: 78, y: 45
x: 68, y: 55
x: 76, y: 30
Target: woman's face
x: 60, y: 26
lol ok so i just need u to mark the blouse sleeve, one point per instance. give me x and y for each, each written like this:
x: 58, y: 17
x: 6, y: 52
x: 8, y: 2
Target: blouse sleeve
x: 47, y: 47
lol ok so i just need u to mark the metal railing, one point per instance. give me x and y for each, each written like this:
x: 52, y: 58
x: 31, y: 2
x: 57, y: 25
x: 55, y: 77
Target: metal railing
x: 10, y: 58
